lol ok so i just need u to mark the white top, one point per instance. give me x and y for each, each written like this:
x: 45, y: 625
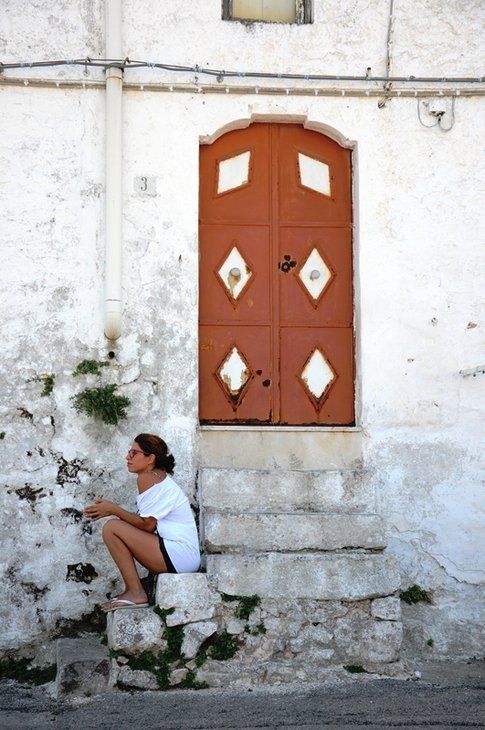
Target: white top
x: 175, y: 521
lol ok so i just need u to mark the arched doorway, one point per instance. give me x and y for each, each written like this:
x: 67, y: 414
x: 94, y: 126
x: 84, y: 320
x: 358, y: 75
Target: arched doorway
x: 275, y: 288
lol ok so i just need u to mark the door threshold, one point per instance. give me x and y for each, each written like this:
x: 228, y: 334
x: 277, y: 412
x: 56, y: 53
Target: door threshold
x: 235, y: 427
x: 282, y: 448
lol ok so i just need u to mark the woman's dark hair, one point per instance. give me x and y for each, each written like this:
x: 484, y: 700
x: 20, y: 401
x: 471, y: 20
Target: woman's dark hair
x: 151, y: 444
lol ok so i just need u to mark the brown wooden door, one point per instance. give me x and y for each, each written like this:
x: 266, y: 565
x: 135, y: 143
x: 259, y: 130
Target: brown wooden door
x: 275, y: 288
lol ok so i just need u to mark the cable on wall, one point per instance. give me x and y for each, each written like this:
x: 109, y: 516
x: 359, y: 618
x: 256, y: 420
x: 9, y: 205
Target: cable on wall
x: 221, y: 74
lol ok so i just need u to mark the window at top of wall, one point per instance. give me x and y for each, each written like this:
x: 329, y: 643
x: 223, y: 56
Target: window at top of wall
x: 268, y: 11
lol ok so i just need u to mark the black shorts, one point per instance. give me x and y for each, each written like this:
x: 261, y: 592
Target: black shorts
x: 166, y: 556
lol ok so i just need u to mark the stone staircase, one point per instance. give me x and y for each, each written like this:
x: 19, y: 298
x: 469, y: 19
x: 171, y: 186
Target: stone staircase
x: 304, y: 544
x: 294, y: 534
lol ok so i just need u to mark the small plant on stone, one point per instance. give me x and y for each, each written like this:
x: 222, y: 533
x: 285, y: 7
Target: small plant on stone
x: 20, y: 670
x: 104, y: 639
x: 90, y: 367
x: 146, y: 661
x: 200, y: 659
x: 354, y: 668
x: 224, y: 647
x: 48, y: 381
x: 190, y: 681
x: 174, y: 636
x: 414, y: 594
x: 114, y: 653
x: 246, y: 606
x: 2, y: 435
x: 259, y: 629
x: 430, y: 642
x: 102, y: 403
x: 163, y: 612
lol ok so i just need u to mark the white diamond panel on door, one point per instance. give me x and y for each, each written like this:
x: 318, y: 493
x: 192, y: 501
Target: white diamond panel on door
x: 234, y: 375
x: 314, y: 174
x: 317, y: 377
x: 234, y: 273
x: 233, y: 172
x: 315, y: 276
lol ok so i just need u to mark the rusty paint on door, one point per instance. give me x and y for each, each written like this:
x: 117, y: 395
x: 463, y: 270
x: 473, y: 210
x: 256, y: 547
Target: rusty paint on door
x: 276, y: 303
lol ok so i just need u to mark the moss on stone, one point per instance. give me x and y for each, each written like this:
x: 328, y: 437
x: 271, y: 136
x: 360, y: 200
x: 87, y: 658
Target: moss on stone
x: 223, y: 647
x: 414, y: 594
x: 190, y: 681
x: 354, y: 668
x: 146, y: 661
x: 163, y: 612
x: 20, y: 670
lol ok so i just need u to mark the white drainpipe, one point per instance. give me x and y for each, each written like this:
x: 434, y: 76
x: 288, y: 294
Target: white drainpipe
x: 114, y: 86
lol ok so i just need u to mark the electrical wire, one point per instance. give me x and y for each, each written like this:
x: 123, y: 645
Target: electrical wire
x: 221, y: 74
x: 439, y: 117
x: 428, y: 126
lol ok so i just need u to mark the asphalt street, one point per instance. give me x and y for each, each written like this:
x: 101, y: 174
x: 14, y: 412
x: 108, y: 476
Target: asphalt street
x: 446, y: 696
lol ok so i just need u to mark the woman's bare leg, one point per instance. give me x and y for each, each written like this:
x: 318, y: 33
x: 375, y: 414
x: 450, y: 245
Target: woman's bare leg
x: 126, y: 542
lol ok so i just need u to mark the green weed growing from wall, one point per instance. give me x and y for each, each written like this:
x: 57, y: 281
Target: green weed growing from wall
x: 103, y: 403
x: 48, y: 381
x: 90, y: 367
x: 414, y: 594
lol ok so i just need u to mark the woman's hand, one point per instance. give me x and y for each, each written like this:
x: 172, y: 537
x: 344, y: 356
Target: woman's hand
x: 100, y: 508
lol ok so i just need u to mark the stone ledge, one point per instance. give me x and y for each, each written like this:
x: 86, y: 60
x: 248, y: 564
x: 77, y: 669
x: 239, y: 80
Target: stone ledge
x: 291, y: 532
x: 270, y: 491
x: 350, y: 577
x: 265, y: 449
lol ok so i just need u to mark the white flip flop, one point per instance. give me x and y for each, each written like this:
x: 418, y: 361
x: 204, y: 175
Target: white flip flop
x: 123, y: 603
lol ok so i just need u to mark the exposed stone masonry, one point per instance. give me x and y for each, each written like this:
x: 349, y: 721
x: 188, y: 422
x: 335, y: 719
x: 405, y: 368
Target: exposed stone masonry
x: 279, y: 641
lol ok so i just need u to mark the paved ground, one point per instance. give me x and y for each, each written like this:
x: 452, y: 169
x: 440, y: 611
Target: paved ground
x: 446, y: 696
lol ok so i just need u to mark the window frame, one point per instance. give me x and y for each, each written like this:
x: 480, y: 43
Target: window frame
x: 303, y: 14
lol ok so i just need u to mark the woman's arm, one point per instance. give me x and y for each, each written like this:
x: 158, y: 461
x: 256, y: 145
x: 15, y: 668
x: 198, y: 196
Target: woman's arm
x: 105, y: 508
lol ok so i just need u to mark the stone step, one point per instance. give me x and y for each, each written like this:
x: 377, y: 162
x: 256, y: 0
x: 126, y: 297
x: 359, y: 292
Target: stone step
x: 291, y: 532
x: 324, y: 576
x: 83, y: 667
x: 253, y: 490
x: 281, y: 448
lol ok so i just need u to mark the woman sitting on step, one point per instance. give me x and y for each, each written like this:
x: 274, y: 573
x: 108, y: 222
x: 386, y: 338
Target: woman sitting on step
x: 162, y: 507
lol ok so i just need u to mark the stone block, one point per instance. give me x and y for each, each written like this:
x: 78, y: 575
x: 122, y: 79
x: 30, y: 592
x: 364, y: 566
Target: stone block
x: 134, y: 631
x: 270, y: 491
x: 278, y: 449
x: 285, y: 673
x: 194, y: 636
x: 324, y: 576
x: 291, y: 532
x: 235, y: 626
x: 310, y: 637
x: 263, y: 647
x: 136, y: 679
x: 177, y: 676
x: 190, y: 595
x: 83, y: 667
x: 361, y: 640
x: 388, y: 609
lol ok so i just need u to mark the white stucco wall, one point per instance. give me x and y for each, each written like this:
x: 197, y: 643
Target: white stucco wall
x: 419, y: 243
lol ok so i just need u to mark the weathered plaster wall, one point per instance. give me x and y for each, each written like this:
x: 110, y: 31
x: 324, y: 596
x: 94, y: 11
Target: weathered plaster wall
x: 419, y: 289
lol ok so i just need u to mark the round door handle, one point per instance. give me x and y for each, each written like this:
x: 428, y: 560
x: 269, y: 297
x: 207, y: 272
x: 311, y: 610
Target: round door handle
x: 235, y: 272
x: 315, y: 274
